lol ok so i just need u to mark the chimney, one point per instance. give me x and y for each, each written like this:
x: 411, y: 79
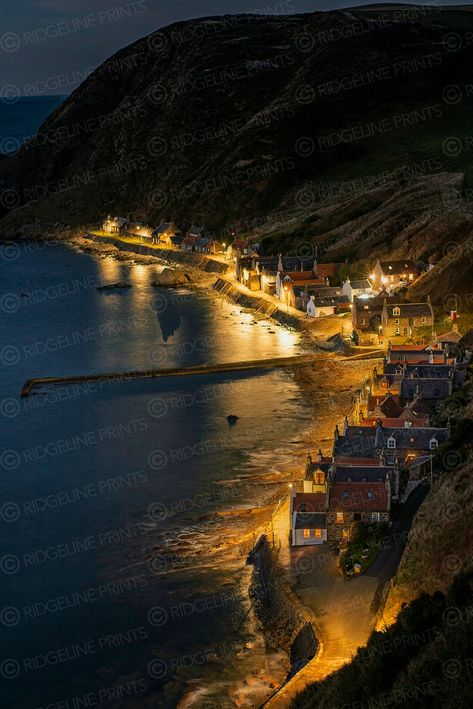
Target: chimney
x: 345, y: 426
x: 280, y: 267
x: 336, y: 433
x: 314, y: 268
x: 431, y: 357
x: 320, y: 456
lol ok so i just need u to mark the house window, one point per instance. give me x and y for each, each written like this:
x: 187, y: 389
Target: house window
x: 306, y: 533
x: 339, y: 517
x: 412, y: 440
x: 433, y: 444
x: 363, y: 321
x: 345, y: 494
x: 357, y: 517
x: 396, y: 311
x: 370, y: 494
x: 398, y: 332
x: 319, y: 478
x: 376, y: 517
x: 397, y: 321
x: 391, y: 442
x: 318, y: 533
x: 346, y: 533
x: 424, y: 320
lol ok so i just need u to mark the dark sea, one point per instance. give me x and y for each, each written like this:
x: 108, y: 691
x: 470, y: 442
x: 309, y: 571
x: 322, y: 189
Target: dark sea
x: 123, y: 541
x: 21, y: 119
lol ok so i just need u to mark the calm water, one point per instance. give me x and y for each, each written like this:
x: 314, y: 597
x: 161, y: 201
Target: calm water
x: 119, y: 577
x: 20, y: 120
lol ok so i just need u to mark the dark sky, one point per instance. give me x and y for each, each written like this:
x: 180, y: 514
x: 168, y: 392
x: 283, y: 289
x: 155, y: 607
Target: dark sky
x: 49, y: 46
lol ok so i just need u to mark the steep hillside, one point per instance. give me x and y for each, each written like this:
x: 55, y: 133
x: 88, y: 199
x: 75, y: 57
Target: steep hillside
x: 423, y: 660
x: 342, y: 133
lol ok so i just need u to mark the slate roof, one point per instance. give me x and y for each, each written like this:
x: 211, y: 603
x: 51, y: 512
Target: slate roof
x: 367, y: 473
x: 362, y: 284
x: 353, y: 497
x: 310, y: 520
x: 327, y: 302
x: 426, y: 388
x: 370, y: 441
x: 410, y: 369
x: 410, y: 310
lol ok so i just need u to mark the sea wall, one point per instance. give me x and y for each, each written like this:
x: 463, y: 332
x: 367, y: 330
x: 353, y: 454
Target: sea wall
x: 183, y: 258
x: 278, y: 609
x: 261, y: 306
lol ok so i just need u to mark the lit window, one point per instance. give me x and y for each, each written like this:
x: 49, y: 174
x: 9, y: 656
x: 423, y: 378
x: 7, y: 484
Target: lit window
x: 339, y: 517
x: 397, y: 331
x: 397, y: 321
x: 306, y: 533
x: 391, y: 442
x: 318, y: 533
x: 424, y: 320
x: 396, y: 311
x: 376, y: 517
x: 346, y: 533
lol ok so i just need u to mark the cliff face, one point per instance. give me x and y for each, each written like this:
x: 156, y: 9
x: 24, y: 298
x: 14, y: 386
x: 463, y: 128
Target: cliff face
x: 345, y: 130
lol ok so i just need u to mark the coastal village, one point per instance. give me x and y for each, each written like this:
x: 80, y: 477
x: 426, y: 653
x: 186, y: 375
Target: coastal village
x: 386, y: 444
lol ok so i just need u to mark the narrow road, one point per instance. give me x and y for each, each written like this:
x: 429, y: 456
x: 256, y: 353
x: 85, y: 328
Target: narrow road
x: 345, y: 610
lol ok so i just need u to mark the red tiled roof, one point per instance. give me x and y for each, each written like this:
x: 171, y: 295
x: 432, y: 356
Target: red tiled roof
x: 298, y: 275
x: 309, y: 502
x: 412, y: 348
x: 357, y: 497
x: 395, y: 422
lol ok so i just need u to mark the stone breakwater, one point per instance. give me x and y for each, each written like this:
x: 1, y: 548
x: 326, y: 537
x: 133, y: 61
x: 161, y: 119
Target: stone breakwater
x: 283, y: 617
x: 186, y: 258
x: 259, y: 305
